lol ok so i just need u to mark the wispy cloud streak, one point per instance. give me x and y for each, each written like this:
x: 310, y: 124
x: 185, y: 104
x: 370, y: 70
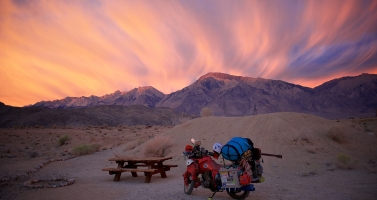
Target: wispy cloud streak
x: 53, y: 49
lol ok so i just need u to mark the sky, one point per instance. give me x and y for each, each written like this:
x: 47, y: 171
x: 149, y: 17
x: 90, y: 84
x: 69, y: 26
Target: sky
x: 52, y: 49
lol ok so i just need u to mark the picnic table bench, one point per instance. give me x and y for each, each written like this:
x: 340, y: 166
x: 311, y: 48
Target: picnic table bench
x: 150, y: 166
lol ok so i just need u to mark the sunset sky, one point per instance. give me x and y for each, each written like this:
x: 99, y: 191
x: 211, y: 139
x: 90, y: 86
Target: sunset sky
x: 53, y: 49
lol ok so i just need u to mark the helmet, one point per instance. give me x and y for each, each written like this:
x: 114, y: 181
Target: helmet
x: 217, y: 147
x: 188, y: 148
x: 189, y: 161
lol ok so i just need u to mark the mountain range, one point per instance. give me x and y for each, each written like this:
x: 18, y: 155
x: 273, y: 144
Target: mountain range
x: 228, y: 95
x: 146, y: 96
x: 114, y: 115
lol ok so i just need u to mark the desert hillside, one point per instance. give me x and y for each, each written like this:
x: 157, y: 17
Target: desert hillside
x: 322, y: 159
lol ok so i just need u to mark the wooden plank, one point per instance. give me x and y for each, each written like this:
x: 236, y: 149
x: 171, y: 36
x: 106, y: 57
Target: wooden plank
x: 135, y: 159
x: 141, y: 165
x: 128, y: 170
x: 170, y: 165
x: 144, y: 165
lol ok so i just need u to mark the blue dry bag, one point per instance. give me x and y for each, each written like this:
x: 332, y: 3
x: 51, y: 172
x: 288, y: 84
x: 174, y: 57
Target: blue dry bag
x: 234, y: 149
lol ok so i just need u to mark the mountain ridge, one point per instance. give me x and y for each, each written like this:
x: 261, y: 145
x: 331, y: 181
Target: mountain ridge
x: 146, y: 95
x: 229, y: 95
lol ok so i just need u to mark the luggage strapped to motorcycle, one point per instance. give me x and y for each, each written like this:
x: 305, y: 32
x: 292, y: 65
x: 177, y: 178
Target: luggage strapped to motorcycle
x: 234, y: 149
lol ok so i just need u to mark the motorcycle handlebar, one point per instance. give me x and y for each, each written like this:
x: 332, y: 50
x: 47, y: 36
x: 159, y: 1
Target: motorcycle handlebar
x: 198, y: 152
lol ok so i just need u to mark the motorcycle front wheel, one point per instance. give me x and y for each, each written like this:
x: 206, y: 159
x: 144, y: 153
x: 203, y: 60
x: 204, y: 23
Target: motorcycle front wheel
x: 188, y: 187
x: 238, y: 195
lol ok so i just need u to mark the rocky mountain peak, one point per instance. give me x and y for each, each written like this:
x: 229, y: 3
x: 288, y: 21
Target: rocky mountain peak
x: 218, y: 76
x: 143, y: 89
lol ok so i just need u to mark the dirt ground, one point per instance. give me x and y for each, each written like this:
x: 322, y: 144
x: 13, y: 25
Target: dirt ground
x: 322, y: 159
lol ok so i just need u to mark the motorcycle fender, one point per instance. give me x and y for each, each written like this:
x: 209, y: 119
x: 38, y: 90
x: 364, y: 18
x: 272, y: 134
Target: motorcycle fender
x: 192, y: 169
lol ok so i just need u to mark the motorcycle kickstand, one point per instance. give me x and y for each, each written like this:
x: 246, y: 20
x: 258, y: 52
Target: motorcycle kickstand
x: 210, y: 198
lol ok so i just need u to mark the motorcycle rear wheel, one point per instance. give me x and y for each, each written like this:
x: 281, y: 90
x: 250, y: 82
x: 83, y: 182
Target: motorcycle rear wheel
x: 188, y: 188
x: 238, y: 195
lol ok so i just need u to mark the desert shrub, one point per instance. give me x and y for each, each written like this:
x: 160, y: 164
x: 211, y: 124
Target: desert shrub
x: 140, y: 141
x: 345, y: 162
x: 63, y: 140
x: 158, y: 146
x: 86, y: 149
x: 205, y: 112
x: 131, y: 145
x: 337, y: 134
x: 33, y: 154
x: 312, y: 151
x: 54, y: 126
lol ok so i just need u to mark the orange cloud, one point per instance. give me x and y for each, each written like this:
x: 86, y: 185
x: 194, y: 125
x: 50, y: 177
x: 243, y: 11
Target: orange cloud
x: 53, y: 49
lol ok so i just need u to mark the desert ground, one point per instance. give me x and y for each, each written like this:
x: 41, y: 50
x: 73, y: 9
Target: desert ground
x: 322, y: 159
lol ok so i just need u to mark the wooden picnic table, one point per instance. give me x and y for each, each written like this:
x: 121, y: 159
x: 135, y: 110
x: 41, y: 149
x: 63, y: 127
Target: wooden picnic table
x: 150, y: 166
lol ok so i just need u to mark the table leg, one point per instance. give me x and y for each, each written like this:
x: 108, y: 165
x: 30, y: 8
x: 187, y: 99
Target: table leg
x: 148, y: 177
x: 132, y: 165
x: 117, y: 174
x: 162, y: 169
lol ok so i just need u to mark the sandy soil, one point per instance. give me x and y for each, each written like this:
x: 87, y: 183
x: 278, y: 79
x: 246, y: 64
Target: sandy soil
x: 310, y: 168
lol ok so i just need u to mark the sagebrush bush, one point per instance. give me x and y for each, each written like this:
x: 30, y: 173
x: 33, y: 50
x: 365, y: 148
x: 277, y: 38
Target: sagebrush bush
x: 158, y: 146
x: 131, y: 145
x: 33, y: 154
x: 205, y: 112
x: 86, y: 149
x: 63, y: 140
x: 345, y: 162
x: 337, y: 134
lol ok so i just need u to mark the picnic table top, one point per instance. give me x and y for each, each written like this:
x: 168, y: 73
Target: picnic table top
x: 140, y: 159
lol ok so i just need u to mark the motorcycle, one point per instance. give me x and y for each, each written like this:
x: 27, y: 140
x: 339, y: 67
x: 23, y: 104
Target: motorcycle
x: 203, y: 171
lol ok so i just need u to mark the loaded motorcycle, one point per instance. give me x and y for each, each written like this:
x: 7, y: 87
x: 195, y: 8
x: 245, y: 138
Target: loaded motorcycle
x: 203, y: 171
